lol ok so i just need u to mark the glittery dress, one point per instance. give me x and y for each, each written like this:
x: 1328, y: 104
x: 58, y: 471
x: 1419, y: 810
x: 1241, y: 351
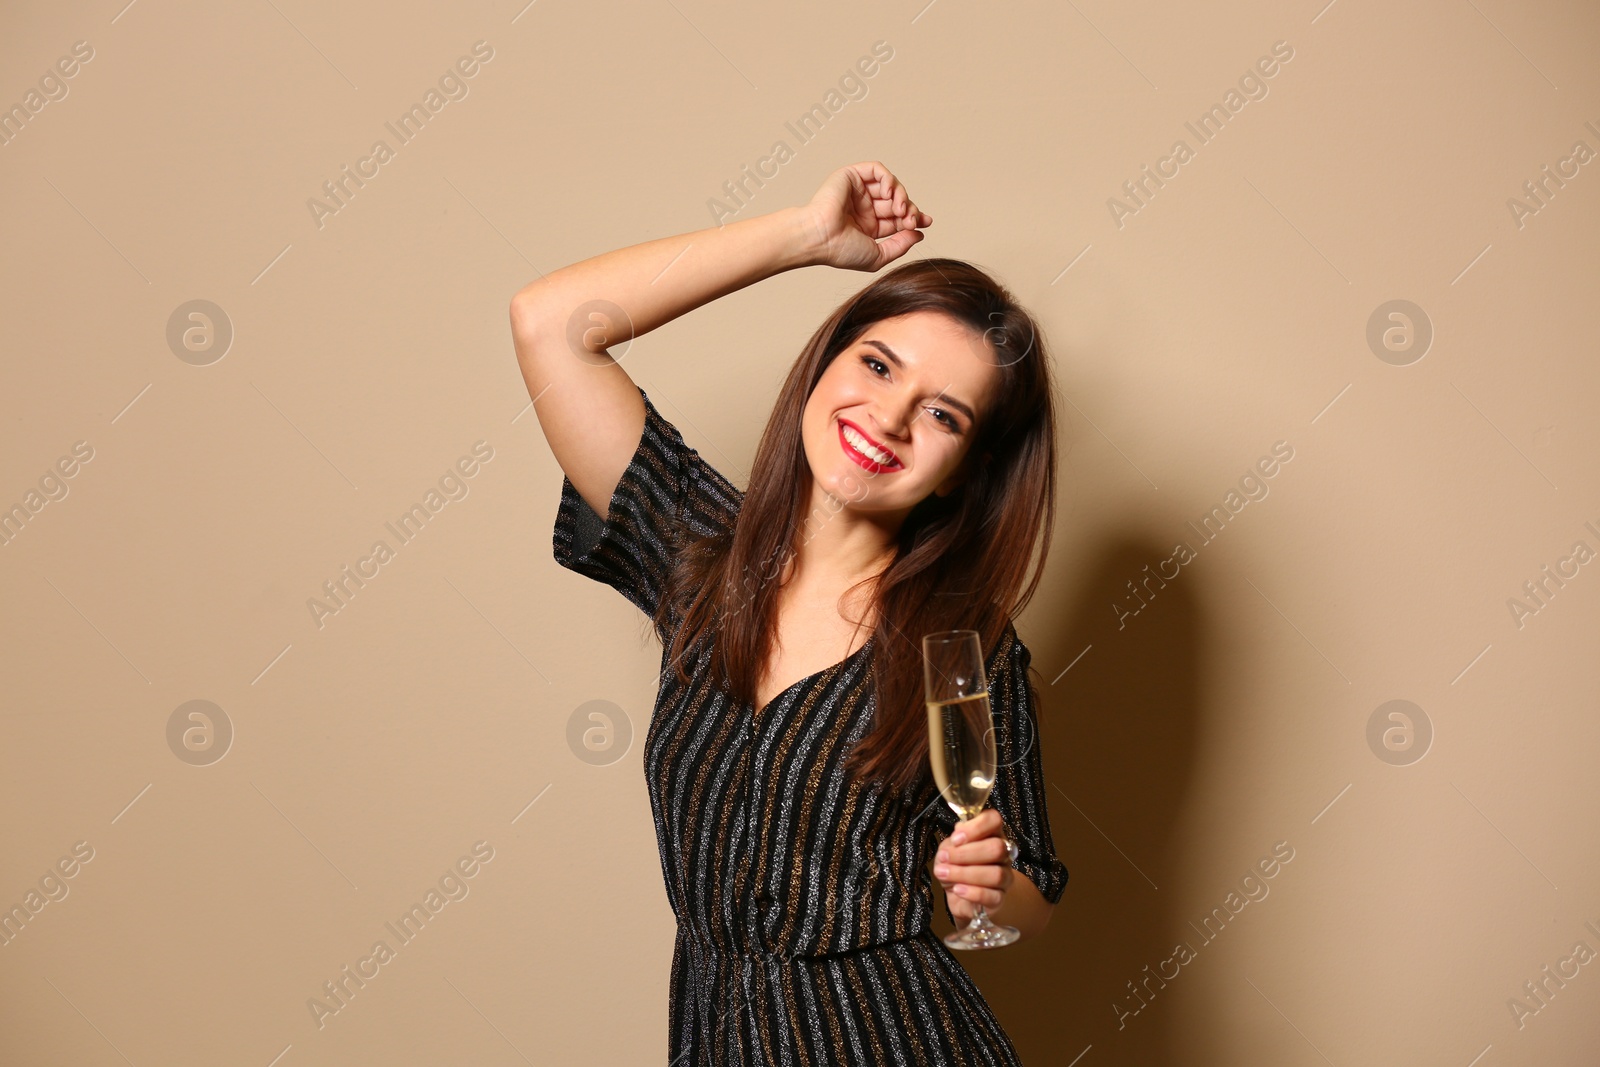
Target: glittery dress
x: 803, y: 901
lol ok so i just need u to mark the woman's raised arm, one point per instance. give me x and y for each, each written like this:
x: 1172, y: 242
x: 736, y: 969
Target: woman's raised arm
x: 561, y: 324
x: 590, y: 410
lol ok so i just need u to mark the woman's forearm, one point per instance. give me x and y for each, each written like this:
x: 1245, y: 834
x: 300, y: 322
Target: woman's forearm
x: 656, y: 281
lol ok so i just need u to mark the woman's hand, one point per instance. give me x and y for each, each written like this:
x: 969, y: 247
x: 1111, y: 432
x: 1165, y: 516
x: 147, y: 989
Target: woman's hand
x: 973, y: 865
x: 862, y: 219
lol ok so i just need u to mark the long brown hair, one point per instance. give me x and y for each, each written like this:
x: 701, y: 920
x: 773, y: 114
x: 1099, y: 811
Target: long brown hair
x: 962, y: 560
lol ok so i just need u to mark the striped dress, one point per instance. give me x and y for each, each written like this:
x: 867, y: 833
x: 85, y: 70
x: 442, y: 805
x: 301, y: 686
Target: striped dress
x: 803, y: 901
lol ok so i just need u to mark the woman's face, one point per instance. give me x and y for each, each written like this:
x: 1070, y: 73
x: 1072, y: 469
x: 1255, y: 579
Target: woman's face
x: 912, y: 387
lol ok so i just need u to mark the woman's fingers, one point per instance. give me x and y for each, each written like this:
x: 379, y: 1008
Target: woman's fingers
x: 885, y: 184
x: 986, y: 823
x: 866, y: 217
x: 973, y: 862
x: 896, y: 245
x: 981, y: 884
x: 989, y: 898
x: 889, y: 197
x: 989, y: 850
x: 981, y: 875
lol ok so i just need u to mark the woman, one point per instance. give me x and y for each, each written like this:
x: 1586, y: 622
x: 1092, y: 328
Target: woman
x: 904, y: 477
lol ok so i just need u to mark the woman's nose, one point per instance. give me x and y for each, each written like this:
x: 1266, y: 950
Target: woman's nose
x: 892, y: 422
x: 889, y: 430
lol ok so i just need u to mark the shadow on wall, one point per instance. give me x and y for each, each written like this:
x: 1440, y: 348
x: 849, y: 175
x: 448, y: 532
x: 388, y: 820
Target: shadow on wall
x: 1119, y: 732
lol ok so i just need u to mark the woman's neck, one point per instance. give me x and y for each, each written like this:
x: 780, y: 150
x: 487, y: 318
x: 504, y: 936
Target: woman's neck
x: 839, y: 545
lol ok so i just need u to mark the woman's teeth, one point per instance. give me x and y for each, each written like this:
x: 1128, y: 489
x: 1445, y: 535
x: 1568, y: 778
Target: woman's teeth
x: 866, y: 448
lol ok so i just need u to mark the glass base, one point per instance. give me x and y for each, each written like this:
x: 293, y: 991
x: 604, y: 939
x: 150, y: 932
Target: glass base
x: 987, y: 935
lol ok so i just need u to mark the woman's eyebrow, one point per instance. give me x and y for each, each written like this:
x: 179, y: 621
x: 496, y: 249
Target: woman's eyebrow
x: 959, y: 405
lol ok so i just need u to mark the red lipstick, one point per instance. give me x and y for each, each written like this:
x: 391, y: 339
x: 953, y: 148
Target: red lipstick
x: 862, y: 458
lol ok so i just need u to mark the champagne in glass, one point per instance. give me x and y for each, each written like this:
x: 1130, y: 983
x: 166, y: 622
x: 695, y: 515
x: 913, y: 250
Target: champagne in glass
x: 963, y: 764
x: 961, y: 749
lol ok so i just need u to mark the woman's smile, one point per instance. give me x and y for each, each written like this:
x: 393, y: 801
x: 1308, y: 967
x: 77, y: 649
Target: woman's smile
x: 865, y: 451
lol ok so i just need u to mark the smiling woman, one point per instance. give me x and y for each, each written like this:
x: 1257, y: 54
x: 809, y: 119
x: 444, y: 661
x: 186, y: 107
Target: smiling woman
x: 904, y: 481
x: 900, y: 414
x: 918, y: 419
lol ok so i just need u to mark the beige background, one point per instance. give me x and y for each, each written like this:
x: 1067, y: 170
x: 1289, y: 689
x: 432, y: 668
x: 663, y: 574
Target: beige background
x: 1228, y: 313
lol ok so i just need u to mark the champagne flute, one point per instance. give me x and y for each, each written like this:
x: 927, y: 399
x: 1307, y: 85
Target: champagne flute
x: 961, y: 748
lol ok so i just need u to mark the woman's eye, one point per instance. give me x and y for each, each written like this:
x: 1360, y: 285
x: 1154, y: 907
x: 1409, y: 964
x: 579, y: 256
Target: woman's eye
x: 942, y: 415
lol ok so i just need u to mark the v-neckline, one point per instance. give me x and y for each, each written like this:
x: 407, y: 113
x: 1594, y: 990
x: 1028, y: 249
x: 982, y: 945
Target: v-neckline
x: 817, y: 674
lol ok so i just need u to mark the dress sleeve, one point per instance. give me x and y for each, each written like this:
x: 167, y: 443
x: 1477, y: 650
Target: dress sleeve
x: 667, y: 492
x: 1019, y: 792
